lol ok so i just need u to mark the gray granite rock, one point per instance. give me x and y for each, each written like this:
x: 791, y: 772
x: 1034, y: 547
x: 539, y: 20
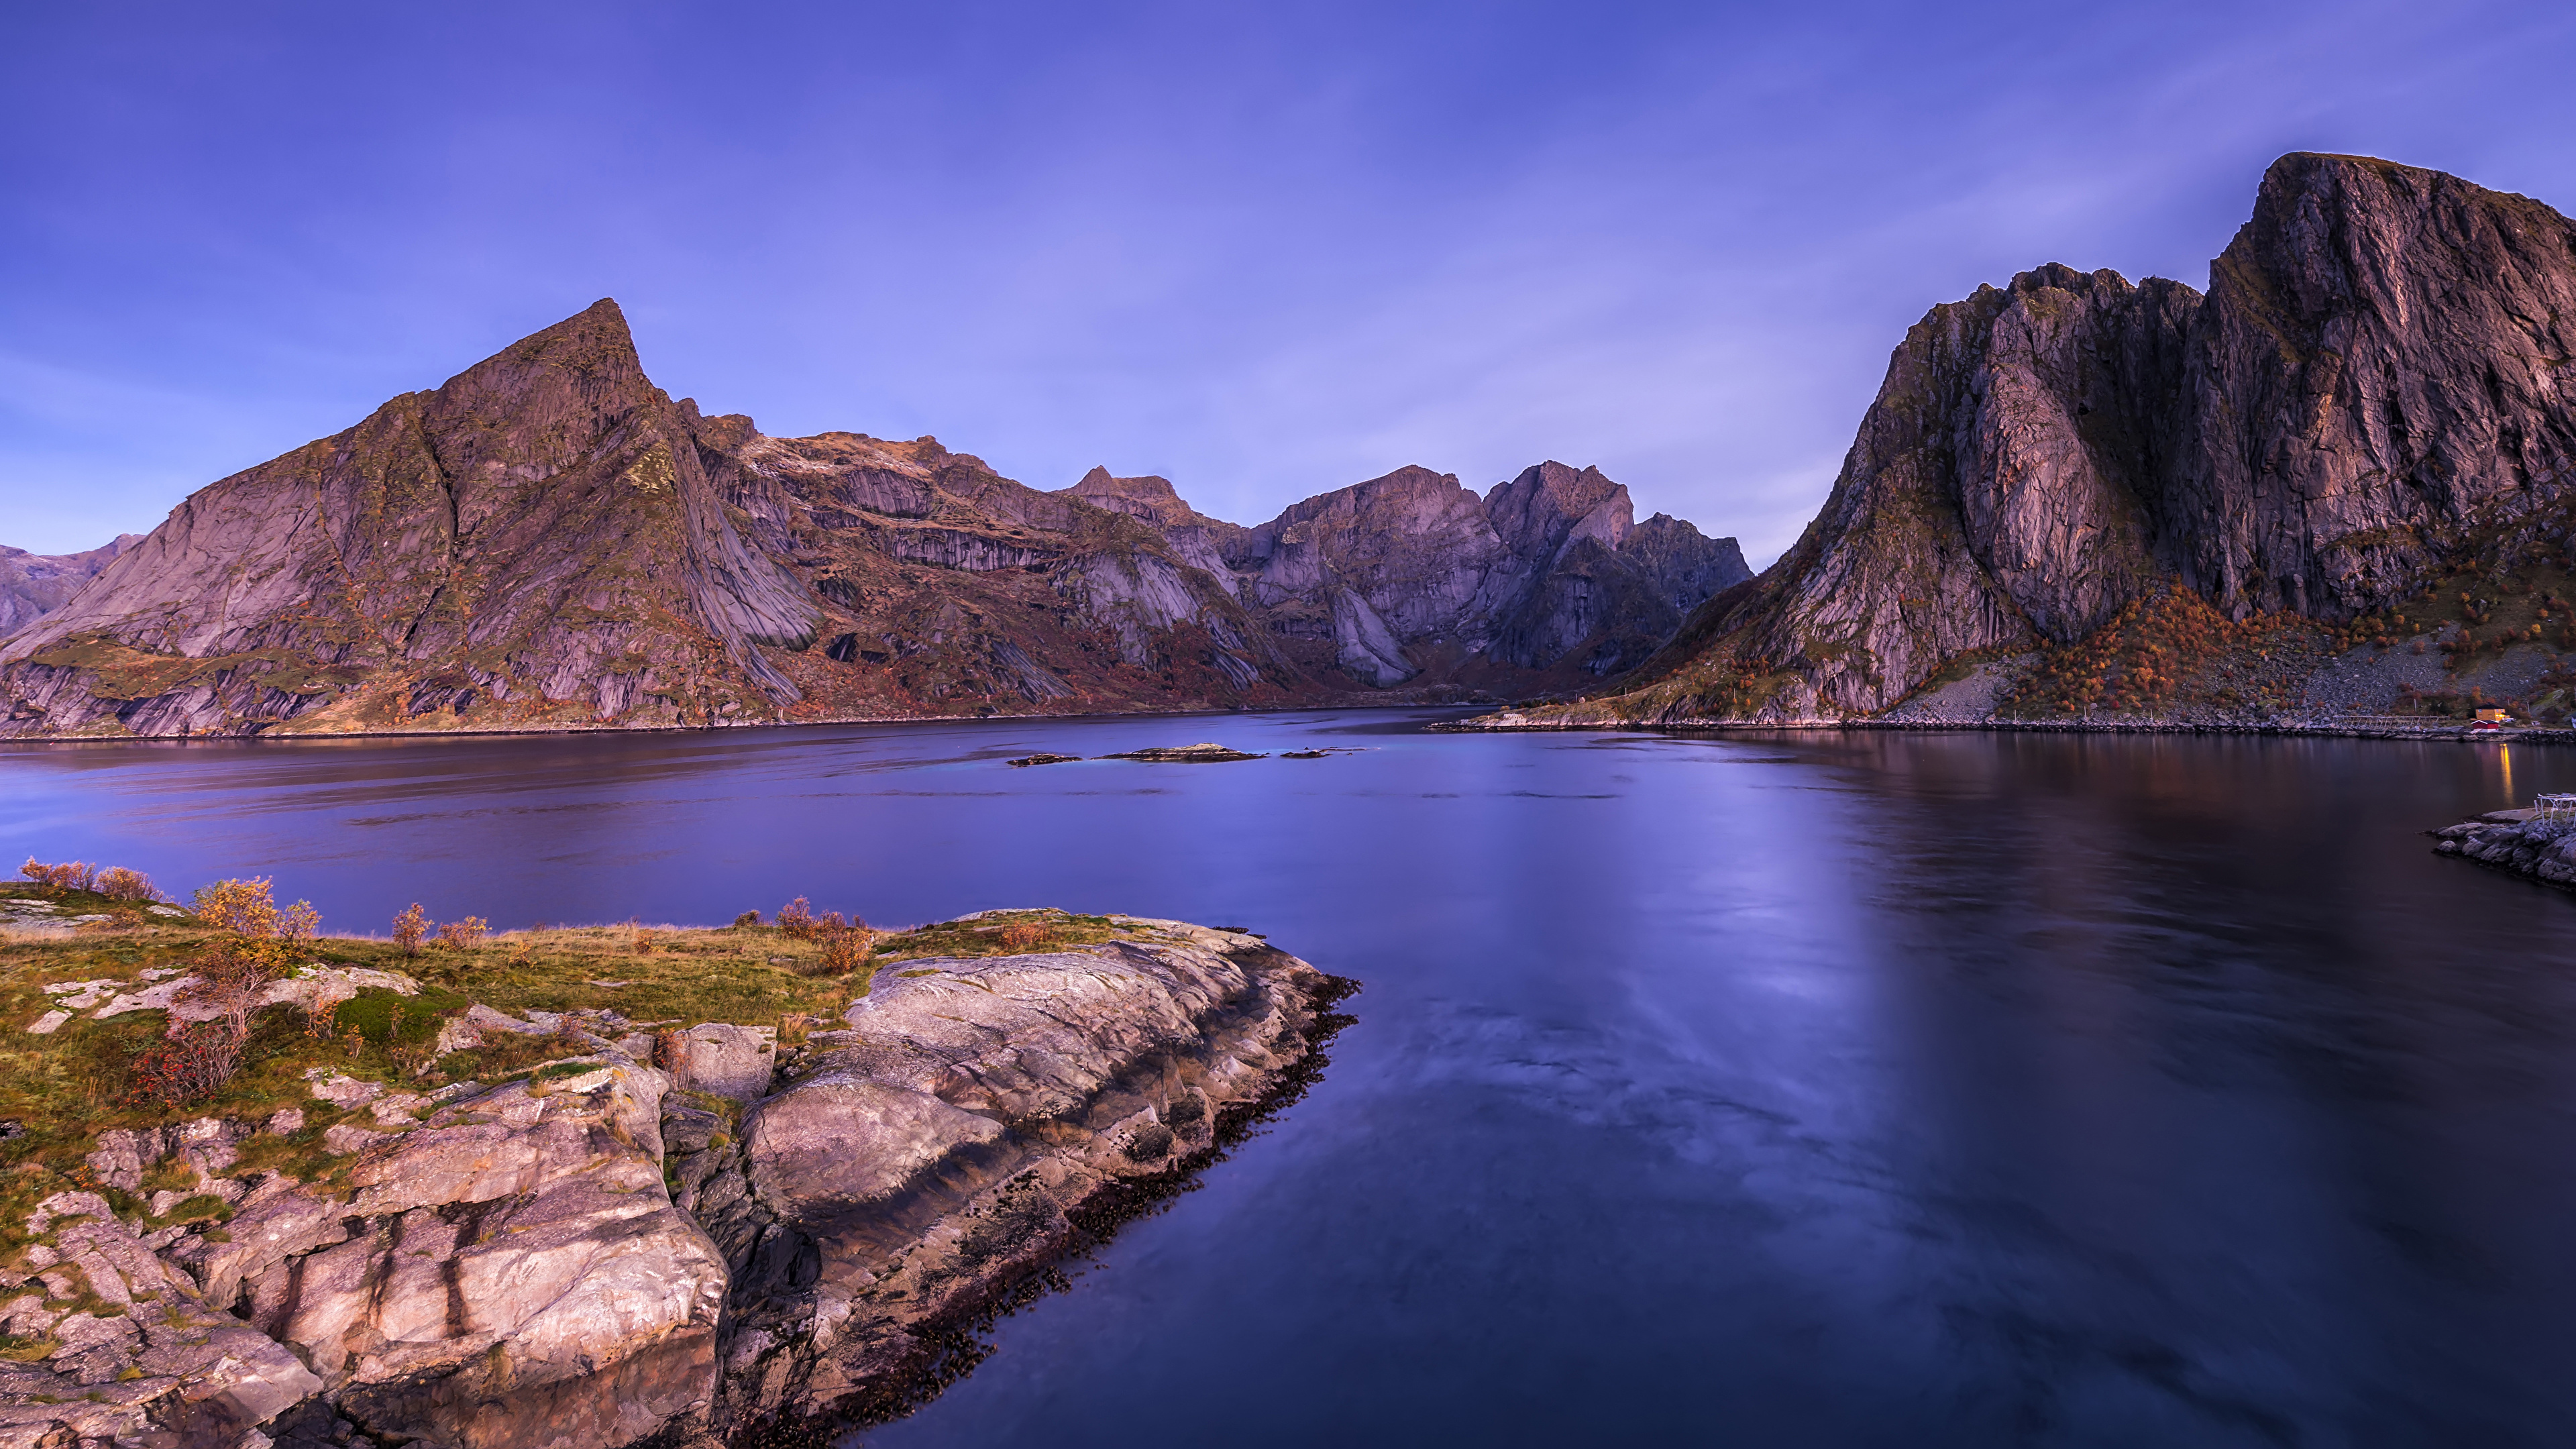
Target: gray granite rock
x: 931, y: 1156
x: 729, y: 1061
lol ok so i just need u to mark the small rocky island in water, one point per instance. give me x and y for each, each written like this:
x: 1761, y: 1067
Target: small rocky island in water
x: 581, y: 1186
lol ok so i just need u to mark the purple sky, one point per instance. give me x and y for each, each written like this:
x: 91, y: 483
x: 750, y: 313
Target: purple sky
x: 1265, y: 251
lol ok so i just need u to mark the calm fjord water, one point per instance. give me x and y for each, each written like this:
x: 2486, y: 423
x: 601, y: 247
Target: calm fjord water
x: 1880, y: 1089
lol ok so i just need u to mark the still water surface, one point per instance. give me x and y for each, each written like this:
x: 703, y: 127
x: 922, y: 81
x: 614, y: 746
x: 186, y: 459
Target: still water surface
x: 1874, y: 1090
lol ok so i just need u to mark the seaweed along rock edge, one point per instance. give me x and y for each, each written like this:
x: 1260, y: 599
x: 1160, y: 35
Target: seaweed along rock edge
x: 746, y: 1243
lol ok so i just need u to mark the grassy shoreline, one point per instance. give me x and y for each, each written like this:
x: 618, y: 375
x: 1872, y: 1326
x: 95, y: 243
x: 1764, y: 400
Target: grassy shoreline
x: 577, y: 989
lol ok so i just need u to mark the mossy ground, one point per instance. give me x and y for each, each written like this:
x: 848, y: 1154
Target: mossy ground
x: 2175, y: 654
x: 63, y: 1089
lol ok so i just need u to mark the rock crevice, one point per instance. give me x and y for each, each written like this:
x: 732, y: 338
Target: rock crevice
x: 2368, y: 391
x: 607, y: 1251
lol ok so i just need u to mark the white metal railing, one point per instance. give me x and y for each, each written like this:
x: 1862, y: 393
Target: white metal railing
x: 2553, y: 807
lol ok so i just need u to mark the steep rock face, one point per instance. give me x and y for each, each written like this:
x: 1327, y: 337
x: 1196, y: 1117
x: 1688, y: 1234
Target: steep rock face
x: 539, y: 528
x: 548, y: 541
x: 1412, y: 574
x: 964, y: 585
x: 971, y: 1125
x: 1600, y: 590
x: 1200, y: 541
x: 1687, y: 565
x: 33, y: 585
x: 2378, y: 373
x: 2370, y: 385
x: 1550, y: 505
x: 1993, y: 495
x: 1409, y: 553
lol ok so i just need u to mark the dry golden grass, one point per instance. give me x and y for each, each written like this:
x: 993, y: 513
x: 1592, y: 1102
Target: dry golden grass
x: 65, y: 1088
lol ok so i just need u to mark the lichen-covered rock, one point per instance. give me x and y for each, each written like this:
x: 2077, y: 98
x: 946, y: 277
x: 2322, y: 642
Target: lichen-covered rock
x: 729, y: 1061
x: 586, y: 1258
x: 511, y: 1272
x: 155, y: 1359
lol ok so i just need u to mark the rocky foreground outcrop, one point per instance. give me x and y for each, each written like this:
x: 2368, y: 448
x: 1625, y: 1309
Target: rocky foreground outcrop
x: 739, y: 1240
x: 2369, y: 393
x: 548, y: 541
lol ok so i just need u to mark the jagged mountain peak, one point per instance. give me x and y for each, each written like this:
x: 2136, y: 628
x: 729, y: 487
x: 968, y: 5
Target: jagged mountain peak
x: 1099, y: 483
x: 2059, y: 277
x: 1150, y: 497
x: 1409, y: 486
x: 549, y: 540
x: 538, y: 530
x: 2367, y: 390
x: 594, y: 342
x: 1549, y: 505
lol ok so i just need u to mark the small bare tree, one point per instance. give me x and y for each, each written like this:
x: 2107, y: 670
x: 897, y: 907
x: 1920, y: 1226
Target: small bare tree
x: 796, y: 918
x: 260, y: 943
x: 409, y: 927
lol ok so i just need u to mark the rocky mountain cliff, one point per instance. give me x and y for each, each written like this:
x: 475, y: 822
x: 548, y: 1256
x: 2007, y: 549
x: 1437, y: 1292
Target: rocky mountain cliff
x: 2369, y: 390
x: 549, y: 541
x: 1412, y: 572
x: 33, y: 585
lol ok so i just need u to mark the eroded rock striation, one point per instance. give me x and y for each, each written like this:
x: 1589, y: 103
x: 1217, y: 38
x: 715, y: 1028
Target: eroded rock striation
x: 540, y: 534
x: 547, y: 540
x: 977, y: 1119
x: 1547, y: 575
x: 2369, y: 391
x: 738, y: 1240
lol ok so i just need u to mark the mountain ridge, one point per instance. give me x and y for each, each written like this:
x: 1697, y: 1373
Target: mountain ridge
x: 547, y: 540
x: 2363, y: 403
x: 33, y: 585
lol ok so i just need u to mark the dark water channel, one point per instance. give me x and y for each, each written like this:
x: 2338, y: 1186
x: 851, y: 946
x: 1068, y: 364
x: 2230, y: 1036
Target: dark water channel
x: 1872, y: 1090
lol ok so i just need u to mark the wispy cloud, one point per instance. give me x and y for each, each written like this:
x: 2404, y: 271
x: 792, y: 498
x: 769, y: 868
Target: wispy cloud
x: 1264, y: 253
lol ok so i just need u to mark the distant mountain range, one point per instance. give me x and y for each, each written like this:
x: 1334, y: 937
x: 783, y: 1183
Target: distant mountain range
x: 2072, y: 496
x: 549, y: 541
x: 33, y: 585
x: 2376, y: 396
